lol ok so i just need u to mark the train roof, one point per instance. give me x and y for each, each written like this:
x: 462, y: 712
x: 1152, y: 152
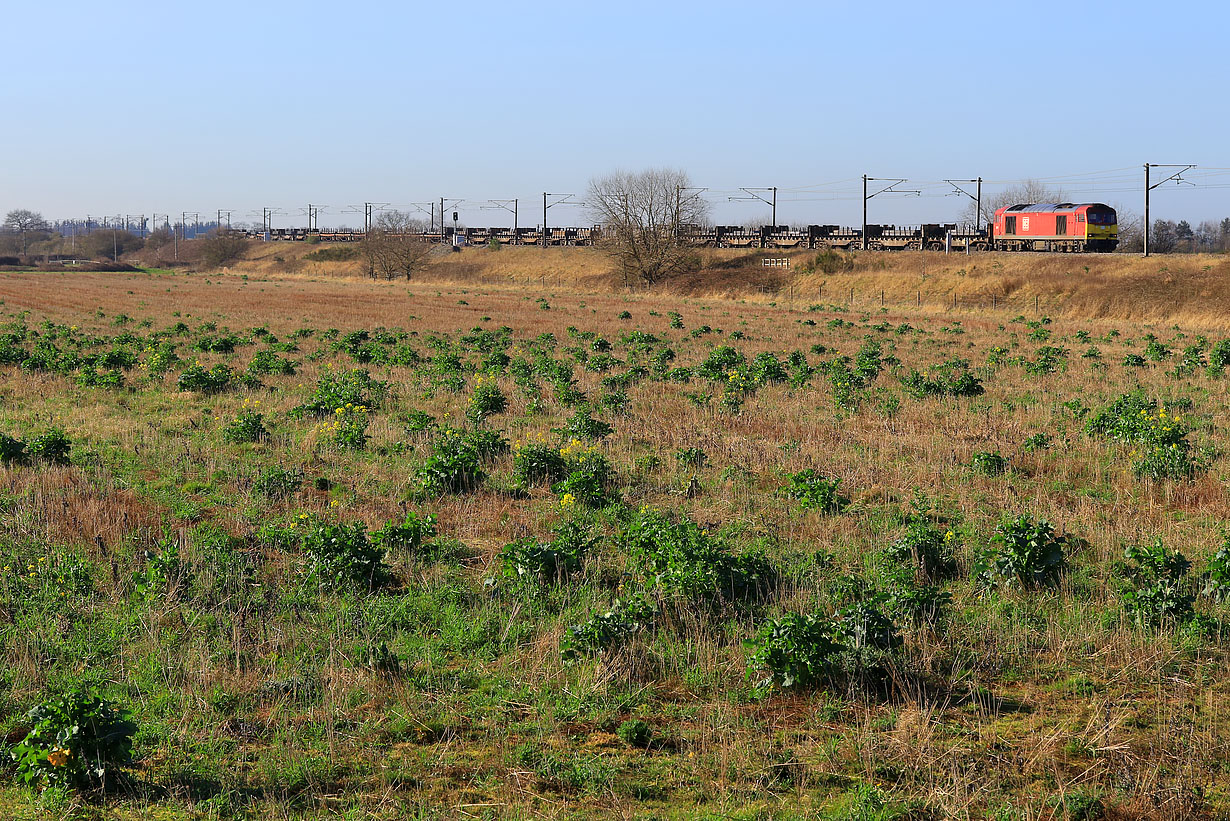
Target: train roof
x: 1054, y: 206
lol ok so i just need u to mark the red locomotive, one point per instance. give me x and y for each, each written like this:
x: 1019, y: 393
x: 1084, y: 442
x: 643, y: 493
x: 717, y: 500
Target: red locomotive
x: 1062, y: 226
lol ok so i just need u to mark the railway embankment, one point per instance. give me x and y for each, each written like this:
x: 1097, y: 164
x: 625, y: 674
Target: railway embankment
x: 1191, y: 288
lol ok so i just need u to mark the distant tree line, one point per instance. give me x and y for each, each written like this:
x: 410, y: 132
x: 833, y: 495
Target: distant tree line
x: 1168, y: 237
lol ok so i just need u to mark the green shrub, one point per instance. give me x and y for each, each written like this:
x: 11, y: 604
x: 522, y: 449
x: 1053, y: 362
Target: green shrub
x: 355, y: 387
x: 952, y: 378
x: 588, y: 475
x: 1155, y: 590
x: 455, y: 465
x: 248, y: 426
x: 815, y: 492
x: 608, y: 630
x: 348, y: 428
x: 553, y: 561
x: 12, y: 450
x: 1024, y: 553
x: 51, y: 446
x: 583, y: 426
x: 537, y: 463
x: 989, y: 463
x: 798, y: 651
x: 683, y: 559
x: 1217, y: 574
x: 691, y: 457
x: 719, y: 363
x: 217, y: 344
x: 341, y: 557
x: 486, y: 400
x: 924, y: 548
x: 408, y: 535
x: 76, y: 739
x: 196, y: 378
x: 265, y: 362
x: 278, y: 483
x: 635, y: 733
x: 1160, y: 437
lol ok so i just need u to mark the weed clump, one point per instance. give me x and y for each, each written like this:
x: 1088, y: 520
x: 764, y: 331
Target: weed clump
x: 76, y: 739
x: 1025, y: 553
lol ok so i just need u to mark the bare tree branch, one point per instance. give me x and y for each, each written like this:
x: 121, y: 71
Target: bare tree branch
x: 642, y: 216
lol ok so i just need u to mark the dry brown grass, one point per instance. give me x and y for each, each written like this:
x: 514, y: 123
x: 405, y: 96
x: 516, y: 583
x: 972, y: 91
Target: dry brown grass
x: 1001, y: 728
x: 1190, y: 288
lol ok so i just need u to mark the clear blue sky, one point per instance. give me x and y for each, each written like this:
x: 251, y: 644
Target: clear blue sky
x: 138, y: 107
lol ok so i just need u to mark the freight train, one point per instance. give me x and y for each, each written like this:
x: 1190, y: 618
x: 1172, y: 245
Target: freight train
x: 1051, y: 227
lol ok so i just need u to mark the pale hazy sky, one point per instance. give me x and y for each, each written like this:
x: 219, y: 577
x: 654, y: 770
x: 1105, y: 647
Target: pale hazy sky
x: 132, y: 108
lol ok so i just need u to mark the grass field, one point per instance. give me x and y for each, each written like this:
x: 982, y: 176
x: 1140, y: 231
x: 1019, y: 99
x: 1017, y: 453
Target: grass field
x: 356, y: 549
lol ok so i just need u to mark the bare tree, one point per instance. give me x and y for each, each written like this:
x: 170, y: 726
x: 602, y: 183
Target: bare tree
x: 393, y: 246
x: 23, y: 220
x: 1029, y: 192
x: 642, y: 214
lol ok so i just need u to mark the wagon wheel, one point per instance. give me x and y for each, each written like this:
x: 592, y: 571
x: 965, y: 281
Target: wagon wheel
x: 935, y: 246
x: 980, y: 247
x: 914, y: 245
x: 875, y: 245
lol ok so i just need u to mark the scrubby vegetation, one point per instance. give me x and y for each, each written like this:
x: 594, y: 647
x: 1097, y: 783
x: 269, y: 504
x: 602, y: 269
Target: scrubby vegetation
x: 483, y: 553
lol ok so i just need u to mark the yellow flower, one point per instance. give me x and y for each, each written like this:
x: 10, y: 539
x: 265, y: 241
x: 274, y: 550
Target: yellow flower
x: 58, y: 757
x: 567, y: 500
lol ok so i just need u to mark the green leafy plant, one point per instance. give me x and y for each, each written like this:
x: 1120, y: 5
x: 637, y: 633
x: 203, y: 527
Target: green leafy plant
x: 1025, y: 553
x: 408, y: 536
x: 76, y: 739
x: 952, y: 378
x: 815, y: 491
x: 537, y: 463
x: 609, y: 630
x: 925, y: 548
x: 486, y: 400
x: 583, y: 426
x: 348, y: 427
x: 195, y: 378
x: 635, y: 733
x: 455, y: 465
x: 268, y: 362
x: 797, y: 650
x: 684, y: 559
x: 277, y: 482
x: 248, y: 426
x: 355, y: 387
x: 989, y: 463
x: 1217, y: 574
x: 341, y: 557
x: 1155, y: 590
